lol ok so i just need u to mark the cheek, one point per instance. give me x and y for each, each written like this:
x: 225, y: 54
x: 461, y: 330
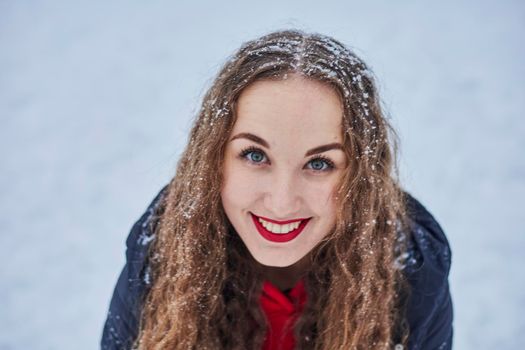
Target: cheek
x: 321, y: 196
x: 239, y: 187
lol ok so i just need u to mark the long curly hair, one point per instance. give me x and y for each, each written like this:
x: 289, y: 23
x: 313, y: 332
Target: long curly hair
x: 206, y: 288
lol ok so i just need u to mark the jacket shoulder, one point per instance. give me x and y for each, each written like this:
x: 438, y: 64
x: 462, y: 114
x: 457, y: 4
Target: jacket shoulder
x: 427, y: 265
x: 139, y: 239
x: 121, y: 326
x: 427, y: 245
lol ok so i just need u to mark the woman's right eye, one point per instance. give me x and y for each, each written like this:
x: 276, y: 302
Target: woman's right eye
x: 253, y: 155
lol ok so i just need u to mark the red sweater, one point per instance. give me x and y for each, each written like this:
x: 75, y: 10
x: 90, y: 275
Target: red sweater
x: 282, y: 310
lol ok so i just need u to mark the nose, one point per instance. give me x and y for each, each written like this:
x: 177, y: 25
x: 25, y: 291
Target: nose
x: 283, y: 196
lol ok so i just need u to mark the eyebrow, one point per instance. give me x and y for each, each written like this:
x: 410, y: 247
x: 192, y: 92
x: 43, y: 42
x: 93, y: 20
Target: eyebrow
x: 262, y: 142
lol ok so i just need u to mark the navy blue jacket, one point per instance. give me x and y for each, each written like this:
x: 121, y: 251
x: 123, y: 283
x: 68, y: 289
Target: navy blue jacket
x: 429, y: 308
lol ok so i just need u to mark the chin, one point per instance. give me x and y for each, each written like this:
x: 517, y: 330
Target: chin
x: 275, y: 262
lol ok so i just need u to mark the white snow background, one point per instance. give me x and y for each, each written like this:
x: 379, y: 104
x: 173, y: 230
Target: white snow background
x: 97, y: 97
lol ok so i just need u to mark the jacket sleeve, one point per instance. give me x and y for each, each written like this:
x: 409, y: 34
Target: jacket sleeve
x: 430, y: 309
x: 121, y: 326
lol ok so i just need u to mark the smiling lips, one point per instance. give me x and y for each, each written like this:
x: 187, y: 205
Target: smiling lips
x: 279, y: 231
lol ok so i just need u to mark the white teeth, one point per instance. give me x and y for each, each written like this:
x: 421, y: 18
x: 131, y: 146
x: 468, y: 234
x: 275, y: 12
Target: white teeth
x: 279, y: 229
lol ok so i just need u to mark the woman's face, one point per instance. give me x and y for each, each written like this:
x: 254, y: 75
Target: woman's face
x: 282, y: 163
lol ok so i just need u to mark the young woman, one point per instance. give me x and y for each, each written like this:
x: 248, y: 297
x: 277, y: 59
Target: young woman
x: 285, y: 225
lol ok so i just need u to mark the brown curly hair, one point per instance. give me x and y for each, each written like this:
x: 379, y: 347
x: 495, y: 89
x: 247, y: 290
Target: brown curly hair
x: 205, y: 291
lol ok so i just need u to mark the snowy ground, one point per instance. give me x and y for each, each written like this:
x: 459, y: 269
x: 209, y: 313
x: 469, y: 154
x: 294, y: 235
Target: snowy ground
x: 96, y: 99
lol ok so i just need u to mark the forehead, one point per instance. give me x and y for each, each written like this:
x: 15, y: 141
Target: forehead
x: 296, y: 107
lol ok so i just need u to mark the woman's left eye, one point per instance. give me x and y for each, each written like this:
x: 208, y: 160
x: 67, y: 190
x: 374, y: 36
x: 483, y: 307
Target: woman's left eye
x: 320, y: 164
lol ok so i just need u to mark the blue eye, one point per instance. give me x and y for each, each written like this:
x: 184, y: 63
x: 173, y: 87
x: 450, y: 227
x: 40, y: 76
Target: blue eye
x: 256, y: 157
x: 321, y: 164
x: 253, y: 155
x: 318, y: 164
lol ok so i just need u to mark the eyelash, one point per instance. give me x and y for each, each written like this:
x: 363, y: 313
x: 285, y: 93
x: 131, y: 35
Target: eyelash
x: 245, y: 152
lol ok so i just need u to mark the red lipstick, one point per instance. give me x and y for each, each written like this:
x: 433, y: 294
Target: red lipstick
x: 275, y: 237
